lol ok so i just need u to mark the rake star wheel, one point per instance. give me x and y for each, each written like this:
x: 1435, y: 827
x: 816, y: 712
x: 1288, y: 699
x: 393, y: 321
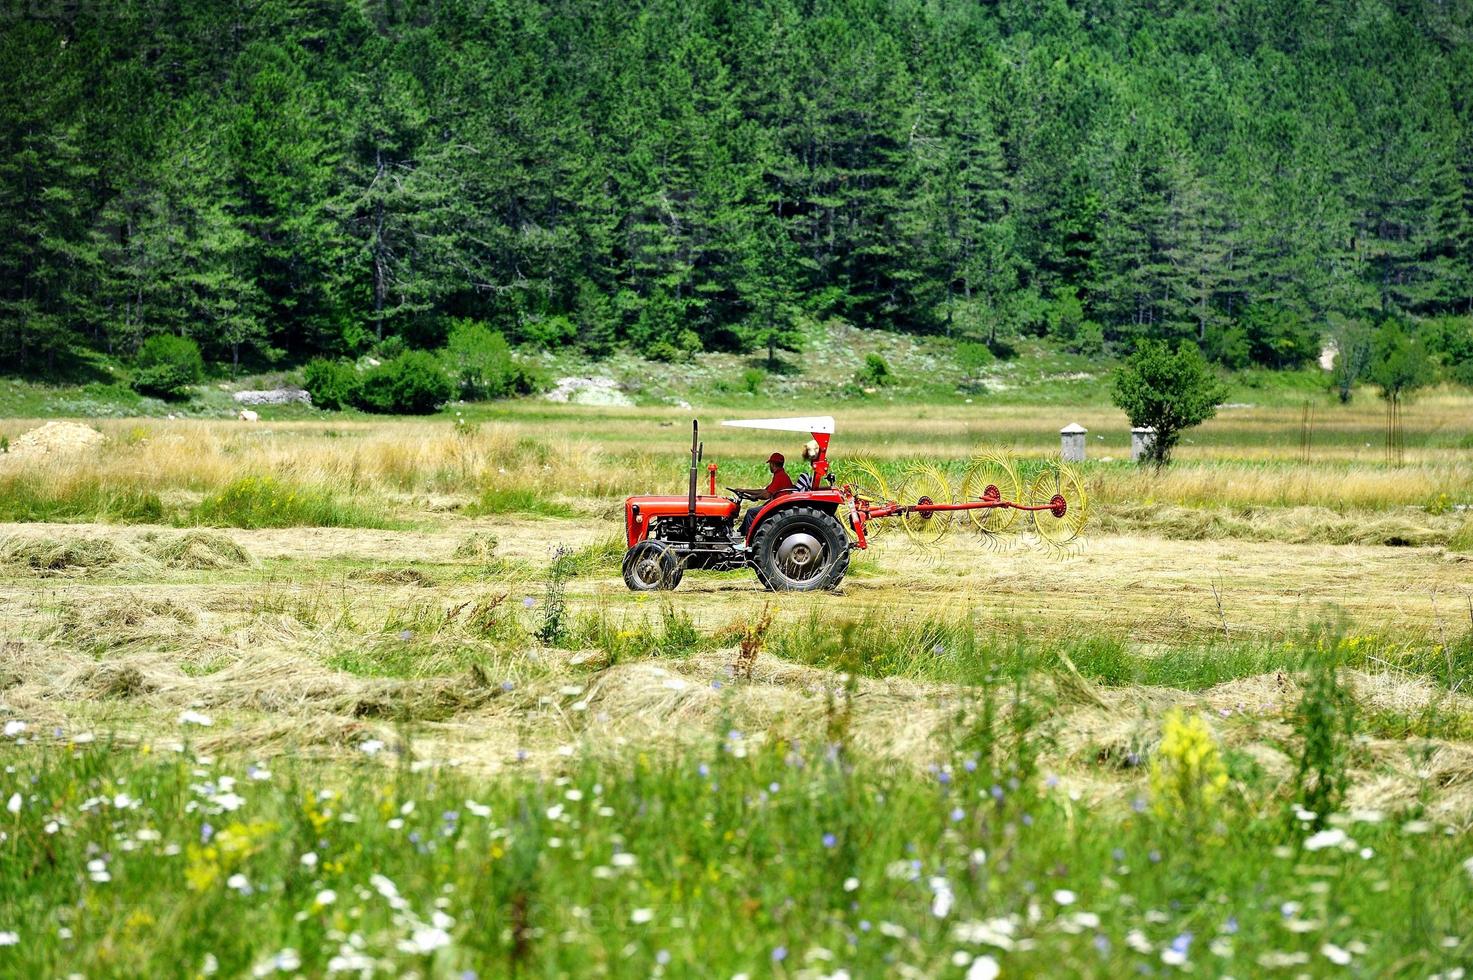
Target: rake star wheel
x: 1061, y: 490
x: 870, y: 486
x: 925, y: 485
x: 991, y: 476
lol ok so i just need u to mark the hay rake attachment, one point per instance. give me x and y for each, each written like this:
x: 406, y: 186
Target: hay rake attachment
x: 990, y: 497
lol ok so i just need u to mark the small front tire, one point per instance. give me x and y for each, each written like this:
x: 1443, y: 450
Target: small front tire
x: 652, y: 565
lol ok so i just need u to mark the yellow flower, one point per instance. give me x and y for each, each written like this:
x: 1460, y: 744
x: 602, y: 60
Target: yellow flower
x: 1187, y: 773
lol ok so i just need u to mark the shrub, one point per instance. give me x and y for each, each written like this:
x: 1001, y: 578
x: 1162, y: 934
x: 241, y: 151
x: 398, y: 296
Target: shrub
x: 972, y: 358
x: 1090, y: 340
x: 413, y: 383
x: 332, y: 384
x: 752, y: 379
x: 480, y: 361
x: 875, y: 373
x: 167, y: 365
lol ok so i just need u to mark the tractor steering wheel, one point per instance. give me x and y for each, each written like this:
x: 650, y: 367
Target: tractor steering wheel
x: 739, y: 494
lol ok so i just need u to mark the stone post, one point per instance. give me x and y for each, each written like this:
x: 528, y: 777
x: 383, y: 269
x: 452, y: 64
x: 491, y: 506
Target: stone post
x: 1141, y: 439
x: 1071, y: 443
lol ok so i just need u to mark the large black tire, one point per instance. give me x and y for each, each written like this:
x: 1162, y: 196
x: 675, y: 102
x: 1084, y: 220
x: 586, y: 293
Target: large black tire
x: 652, y: 565
x: 800, y: 549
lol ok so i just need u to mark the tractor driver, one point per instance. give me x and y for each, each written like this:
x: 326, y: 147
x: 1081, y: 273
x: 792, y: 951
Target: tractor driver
x: 780, y: 482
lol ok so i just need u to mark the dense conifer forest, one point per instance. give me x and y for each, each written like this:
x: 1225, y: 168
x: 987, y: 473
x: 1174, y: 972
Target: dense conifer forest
x: 284, y: 179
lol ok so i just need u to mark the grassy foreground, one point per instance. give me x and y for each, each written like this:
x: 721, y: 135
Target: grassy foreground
x: 755, y: 855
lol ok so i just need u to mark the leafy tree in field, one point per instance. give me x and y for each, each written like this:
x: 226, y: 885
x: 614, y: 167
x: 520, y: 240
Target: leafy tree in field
x: 1399, y: 366
x: 1168, y: 390
x: 1352, y: 340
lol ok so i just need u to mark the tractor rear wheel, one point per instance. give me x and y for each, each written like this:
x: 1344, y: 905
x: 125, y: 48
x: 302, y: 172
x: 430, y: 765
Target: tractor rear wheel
x: 652, y: 565
x: 800, y: 549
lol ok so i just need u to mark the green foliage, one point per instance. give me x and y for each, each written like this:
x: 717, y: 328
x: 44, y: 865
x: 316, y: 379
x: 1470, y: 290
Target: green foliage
x: 1352, y: 339
x: 1278, y: 337
x: 715, y: 177
x: 972, y: 358
x: 1325, y: 723
x: 553, y: 629
x: 267, y: 502
x: 1399, y: 364
x: 874, y: 373
x: 1450, y: 339
x: 413, y: 383
x: 481, y: 362
x: 332, y: 384
x: 166, y: 366
x: 1170, y: 391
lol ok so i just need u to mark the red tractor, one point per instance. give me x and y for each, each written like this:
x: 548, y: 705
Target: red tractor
x: 795, y: 542
x: 799, y: 540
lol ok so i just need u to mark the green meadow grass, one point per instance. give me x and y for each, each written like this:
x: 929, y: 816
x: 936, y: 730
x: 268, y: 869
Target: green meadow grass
x: 754, y: 855
x: 26, y: 497
x: 256, y: 502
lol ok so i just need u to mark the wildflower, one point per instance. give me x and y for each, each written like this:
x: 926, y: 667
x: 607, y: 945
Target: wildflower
x: 1102, y: 943
x: 97, y: 871
x: 9, y: 938
x: 1335, y: 954
x: 325, y: 897
x: 640, y: 916
x: 1334, y: 837
x: 623, y: 860
x: 851, y: 884
x: 1176, y: 953
x: 370, y: 746
x: 14, y: 803
x: 309, y: 860
x: 14, y: 728
x: 983, y: 968
x: 1187, y: 773
x: 829, y: 840
x: 406, y: 635
x: 424, y: 940
x: 779, y: 954
x: 238, y: 882
x: 943, y: 900
x: 192, y: 717
x: 1064, y: 896
x: 993, y: 932
x: 957, y: 815
x: 528, y: 602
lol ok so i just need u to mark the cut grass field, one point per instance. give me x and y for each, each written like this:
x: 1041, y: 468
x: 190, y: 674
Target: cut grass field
x: 375, y: 731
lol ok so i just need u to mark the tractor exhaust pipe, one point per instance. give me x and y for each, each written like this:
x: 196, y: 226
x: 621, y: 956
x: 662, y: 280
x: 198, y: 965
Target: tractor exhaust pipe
x: 695, y: 461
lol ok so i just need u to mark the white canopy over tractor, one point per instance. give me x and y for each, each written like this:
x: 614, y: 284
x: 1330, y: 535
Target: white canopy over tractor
x: 813, y: 423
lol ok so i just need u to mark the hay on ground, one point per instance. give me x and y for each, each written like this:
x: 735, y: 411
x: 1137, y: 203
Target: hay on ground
x: 53, y: 439
x: 199, y: 551
x: 54, y: 556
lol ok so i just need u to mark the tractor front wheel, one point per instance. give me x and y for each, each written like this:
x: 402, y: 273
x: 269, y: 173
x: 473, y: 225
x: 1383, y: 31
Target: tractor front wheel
x: 652, y: 565
x: 800, y: 549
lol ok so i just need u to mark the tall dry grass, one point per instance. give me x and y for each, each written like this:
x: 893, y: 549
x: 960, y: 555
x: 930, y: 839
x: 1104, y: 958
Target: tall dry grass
x: 589, y: 458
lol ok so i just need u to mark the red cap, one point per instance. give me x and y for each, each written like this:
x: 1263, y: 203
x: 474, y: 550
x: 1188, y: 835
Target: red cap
x: 776, y: 458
